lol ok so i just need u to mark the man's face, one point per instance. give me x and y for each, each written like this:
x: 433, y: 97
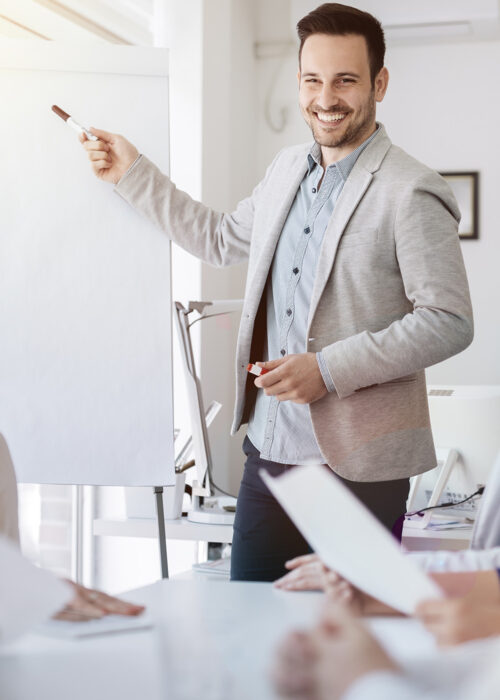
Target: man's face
x: 336, y: 95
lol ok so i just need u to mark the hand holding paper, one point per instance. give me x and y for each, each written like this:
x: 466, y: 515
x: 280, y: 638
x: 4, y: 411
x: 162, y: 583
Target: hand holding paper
x: 349, y: 539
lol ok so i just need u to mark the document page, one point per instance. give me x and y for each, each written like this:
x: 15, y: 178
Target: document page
x: 109, y: 624
x: 348, y: 538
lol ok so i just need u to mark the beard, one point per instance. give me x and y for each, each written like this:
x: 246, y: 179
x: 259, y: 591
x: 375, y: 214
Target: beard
x: 357, y: 124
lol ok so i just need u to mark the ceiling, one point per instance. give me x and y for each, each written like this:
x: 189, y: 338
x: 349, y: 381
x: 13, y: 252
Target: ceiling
x: 132, y: 21
x: 116, y: 21
x: 407, y: 21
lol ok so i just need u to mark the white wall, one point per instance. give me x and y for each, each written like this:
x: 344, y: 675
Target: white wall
x: 212, y: 157
x: 442, y: 107
x: 228, y: 175
x: 213, y: 118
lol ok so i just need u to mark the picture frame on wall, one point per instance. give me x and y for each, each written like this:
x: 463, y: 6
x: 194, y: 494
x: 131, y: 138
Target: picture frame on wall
x: 465, y: 186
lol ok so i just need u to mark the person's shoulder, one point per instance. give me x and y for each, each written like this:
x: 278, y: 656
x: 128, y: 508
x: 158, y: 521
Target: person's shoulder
x: 291, y: 155
x: 407, y: 169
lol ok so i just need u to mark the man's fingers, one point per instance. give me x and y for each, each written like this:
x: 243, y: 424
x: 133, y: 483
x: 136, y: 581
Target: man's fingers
x: 101, y: 134
x: 310, y: 576
x: 96, y: 146
x: 80, y: 609
x: 99, y: 155
x: 272, y: 364
x: 109, y: 604
x: 101, y: 165
x: 304, y: 583
x: 299, y: 561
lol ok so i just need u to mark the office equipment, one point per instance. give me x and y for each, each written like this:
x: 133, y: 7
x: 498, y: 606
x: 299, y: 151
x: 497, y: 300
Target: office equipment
x: 205, y: 509
x: 464, y: 422
x: 337, y: 527
x: 85, y: 358
x: 447, y: 459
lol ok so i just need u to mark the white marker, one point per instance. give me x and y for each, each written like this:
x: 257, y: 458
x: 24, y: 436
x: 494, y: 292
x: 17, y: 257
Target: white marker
x: 74, y: 125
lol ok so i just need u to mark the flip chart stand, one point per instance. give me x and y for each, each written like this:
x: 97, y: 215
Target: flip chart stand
x: 162, y: 539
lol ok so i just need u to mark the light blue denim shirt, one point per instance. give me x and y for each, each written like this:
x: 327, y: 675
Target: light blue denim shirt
x: 283, y: 431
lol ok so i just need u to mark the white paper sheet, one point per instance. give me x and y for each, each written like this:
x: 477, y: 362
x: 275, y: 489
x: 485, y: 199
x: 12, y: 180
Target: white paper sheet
x: 110, y: 624
x: 348, y: 538
x: 28, y: 595
x: 85, y: 300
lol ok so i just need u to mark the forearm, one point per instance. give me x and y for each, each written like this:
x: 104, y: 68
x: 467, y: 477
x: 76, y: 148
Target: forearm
x: 219, y: 239
x: 463, y: 560
x: 481, y: 586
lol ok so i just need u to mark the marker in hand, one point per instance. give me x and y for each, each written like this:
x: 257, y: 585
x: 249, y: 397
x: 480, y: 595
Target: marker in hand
x: 73, y: 124
x: 255, y: 369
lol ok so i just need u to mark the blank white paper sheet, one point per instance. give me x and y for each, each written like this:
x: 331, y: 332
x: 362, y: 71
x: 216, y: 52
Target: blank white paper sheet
x: 349, y: 539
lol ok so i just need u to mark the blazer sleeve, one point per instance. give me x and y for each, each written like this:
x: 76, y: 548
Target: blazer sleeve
x: 433, y: 274
x: 217, y: 238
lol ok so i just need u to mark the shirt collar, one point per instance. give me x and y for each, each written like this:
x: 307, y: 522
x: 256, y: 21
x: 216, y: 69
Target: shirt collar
x: 345, y: 165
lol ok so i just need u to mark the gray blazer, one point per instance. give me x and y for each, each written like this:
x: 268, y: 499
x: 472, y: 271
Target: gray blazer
x: 390, y: 296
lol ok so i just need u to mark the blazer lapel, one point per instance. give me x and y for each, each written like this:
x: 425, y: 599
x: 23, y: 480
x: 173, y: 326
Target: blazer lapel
x: 352, y: 193
x: 285, y: 194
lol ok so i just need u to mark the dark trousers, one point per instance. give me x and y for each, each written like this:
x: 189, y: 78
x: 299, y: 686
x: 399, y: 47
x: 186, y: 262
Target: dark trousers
x: 265, y: 538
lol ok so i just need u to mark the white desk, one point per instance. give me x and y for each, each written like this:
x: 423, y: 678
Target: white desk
x: 180, y: 529
x: 432, y: 540
x: 229, y: 629
x: 183, y: 529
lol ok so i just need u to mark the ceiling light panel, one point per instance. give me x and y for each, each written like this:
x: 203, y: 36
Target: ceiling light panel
x: 131, y: 20
x: 42, y: 21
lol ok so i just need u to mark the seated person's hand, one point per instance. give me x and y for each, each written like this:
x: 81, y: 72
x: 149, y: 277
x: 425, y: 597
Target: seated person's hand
x: 471, y: 610
x: 323, y: 663
x: 456, y: 620
x: 308, y: 573
x: 88, y: 604
x: 111, y: 156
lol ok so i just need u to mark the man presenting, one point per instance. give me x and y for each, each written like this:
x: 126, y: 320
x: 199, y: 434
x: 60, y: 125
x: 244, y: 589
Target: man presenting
x: 355, y: 284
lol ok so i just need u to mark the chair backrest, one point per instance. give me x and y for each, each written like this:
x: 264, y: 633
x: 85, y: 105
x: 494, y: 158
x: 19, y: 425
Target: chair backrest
x: 9, y: 526
x: 486, y: 532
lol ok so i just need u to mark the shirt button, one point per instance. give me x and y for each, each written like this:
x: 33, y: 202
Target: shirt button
x: 314, y: 190
x: 295, y: 270
x: 282, y: 352
x: 288, y: 312
x: 307, y: 230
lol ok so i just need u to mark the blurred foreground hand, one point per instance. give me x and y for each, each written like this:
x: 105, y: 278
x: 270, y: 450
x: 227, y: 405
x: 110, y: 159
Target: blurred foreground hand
x: 88, y: 604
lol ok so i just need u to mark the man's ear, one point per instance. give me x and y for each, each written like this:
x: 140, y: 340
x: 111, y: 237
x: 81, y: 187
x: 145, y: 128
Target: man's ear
x: 298, y: 77
x: 381, y: 83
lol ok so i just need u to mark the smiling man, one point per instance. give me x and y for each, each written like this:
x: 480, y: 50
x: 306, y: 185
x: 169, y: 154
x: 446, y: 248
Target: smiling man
x: 356, y: 283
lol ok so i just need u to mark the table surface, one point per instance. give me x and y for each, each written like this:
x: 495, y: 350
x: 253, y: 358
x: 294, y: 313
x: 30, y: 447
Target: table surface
x: 183, y: 529
x: 212, y: 639
x: 180, y: 529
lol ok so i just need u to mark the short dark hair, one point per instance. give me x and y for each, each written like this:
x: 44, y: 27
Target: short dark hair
x: 336, y: 19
